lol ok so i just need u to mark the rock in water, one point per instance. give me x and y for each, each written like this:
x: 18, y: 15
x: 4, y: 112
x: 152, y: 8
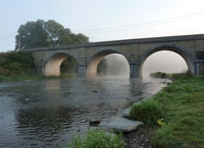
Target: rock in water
x: 94, y: 122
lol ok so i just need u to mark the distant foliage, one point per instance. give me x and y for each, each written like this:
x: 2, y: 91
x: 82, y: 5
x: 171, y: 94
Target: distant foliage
x: 40, y: 33
x: 158, y: 75
x: 43, y: 34
x: 183, y: 74
x: 102, y: 67
x: 16, y: 62
x: 68, y: 66
x: 20, y: 57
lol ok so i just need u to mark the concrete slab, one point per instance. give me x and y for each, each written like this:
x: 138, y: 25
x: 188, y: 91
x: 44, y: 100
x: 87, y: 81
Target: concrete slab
x: 119, y: 124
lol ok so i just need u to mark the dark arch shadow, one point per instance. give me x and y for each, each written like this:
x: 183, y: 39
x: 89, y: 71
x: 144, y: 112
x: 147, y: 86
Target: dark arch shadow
x: 54, y: 60
x: 95, y: 58
x: 183, y: 52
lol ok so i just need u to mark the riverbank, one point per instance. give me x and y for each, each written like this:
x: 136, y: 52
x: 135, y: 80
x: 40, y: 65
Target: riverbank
x: 19, y: 66
x: 30, y: 77
x: 183, y: 103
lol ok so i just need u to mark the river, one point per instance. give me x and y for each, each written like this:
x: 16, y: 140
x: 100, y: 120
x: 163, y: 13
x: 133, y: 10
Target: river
x: 46, y: 113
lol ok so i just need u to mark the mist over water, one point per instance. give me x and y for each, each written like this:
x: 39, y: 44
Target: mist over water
x: 162, y: 61
x: 117, y: 66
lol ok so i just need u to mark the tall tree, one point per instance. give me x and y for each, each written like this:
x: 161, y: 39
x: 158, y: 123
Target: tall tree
x: 43, y: 34
x: 31, y: 35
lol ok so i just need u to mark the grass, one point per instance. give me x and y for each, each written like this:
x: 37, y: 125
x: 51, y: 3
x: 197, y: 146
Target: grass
x: 97, y: 139
x: 183, y: 104
x: 147, y: 111
x: 184, y: 73
x: 23, y: 77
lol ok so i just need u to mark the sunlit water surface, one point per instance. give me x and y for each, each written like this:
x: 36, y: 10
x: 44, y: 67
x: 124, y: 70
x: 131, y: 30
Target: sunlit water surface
x: 47, y: 113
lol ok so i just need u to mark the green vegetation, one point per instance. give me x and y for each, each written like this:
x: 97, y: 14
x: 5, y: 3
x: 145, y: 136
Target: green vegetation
x: 181, y: 74
x: 97, y: 139
x: 148, y: 111
x: 17, y: 66
x: 185, y: 73
x: 158, y: 75
x: 68, y: 66
x: 40, y: 33
x: 182, y: 104
x: 26, y: 77
x: 102, y: 67
x: 16, y: 63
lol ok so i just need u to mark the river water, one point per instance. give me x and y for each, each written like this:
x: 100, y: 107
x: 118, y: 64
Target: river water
x: 47, y: 113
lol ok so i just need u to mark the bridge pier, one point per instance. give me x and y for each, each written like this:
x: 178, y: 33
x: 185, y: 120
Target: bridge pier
x: 198, y: 67
x: 81, y: 71
x: 41, y: 70
x: 134, y: 70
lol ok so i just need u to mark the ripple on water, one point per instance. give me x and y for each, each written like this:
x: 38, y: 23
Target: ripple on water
x: 46, y: 113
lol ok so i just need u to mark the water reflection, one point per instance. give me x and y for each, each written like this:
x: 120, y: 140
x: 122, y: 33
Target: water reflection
x: 52, y: 85
x: 39, y: 127
x: 46, y: 113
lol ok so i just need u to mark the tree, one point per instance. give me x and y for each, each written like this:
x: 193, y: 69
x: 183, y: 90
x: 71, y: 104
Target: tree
x: 31, y: 35
x: 44, y: 34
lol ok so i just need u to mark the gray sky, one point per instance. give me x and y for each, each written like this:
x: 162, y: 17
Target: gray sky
x: 122, y: 19
x: 103, y: 20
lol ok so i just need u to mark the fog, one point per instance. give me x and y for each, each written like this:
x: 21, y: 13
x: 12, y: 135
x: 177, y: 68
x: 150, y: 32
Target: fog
x: 117, y: 65
x: 162, y: 61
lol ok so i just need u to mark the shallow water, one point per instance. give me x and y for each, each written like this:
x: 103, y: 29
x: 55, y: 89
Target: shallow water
x: 46, y: 113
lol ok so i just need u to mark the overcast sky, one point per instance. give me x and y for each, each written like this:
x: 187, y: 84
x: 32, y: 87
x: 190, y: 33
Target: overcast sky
x: 124, y: 19
x: 103, y: 20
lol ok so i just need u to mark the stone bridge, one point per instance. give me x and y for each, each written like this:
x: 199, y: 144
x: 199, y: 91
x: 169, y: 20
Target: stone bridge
x: 136, y: 51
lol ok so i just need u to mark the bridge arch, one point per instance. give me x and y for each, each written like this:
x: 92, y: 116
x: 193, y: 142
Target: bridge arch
x: 96, y: 57
x: 183, y: 52
x: 53, y: 61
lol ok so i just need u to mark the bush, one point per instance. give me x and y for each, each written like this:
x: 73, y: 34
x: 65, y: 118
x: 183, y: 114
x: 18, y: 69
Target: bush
x: 20, y: 57
x: 16, y: 63
x: 183, y: 74
x: 148, y: 111
x: 97, y: 138
x: 158, y: 75
x: 69, y: 65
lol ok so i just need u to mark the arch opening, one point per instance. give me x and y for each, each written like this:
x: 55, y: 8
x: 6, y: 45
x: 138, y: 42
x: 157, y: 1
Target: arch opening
x: 108, y: 64
x: 60, y: 63
x: 166, y: 59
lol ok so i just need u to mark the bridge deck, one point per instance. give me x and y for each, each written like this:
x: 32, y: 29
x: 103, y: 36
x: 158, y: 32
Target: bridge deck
x: 123, y: 42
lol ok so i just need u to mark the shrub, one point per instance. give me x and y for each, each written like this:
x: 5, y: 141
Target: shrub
x: 97, y: 138
x: 16, y: 63
x: 158, y: 75
x: 148, y: 111
x: 19, y: 57
x: 183, y: 74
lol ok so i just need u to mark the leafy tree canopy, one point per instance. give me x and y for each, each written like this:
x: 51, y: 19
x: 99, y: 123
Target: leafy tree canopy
x: 43, y: 34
